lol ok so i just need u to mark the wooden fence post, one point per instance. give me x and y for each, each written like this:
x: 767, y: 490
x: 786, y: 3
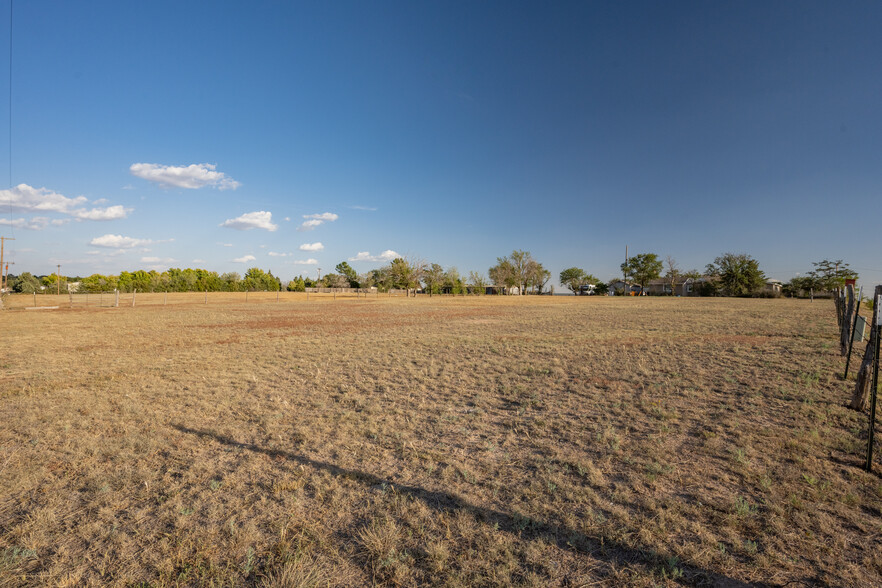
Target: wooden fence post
x: 134, y: 291
x: 857, y: 315
x: 865, y: 372
x: 877, y: 331
x: 847, y: 319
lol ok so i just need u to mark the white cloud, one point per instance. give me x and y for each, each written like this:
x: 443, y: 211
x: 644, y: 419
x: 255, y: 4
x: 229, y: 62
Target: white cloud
x: 387, y: 255
x: 157, y: 260
x: 108, y: 213
x: 260, y: 219
x: 310, y: 225
x: 225, y: 244
x: 368, y: 208
x: 325, y: 216
x: 287, y: 218
x: 119, y: 242
x: 317, y: 246
x: 315, y: 220
x: 244, y: 259
x: 193, y: 176
x: 274, y: 254
x: 309, y: 261
x: 24, y: 198
x: 35, y: 224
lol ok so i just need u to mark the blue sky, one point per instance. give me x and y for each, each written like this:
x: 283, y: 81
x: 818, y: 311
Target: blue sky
x: 185, y: 134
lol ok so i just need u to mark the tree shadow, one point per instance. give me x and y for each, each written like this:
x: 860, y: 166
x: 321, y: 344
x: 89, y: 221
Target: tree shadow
x: 515, y: 523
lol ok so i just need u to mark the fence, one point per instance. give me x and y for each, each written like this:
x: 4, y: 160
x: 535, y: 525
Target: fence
x: 848, y: 316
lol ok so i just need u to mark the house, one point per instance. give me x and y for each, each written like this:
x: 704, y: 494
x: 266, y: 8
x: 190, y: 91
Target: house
x: 773, y: 286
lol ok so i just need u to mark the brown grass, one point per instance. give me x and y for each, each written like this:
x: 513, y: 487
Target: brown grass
x: 443, y: 441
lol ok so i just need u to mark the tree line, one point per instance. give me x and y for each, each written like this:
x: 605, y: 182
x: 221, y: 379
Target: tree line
x: 173, y: 280
x: 730, y: 274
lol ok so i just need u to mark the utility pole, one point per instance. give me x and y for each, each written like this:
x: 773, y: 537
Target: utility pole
x: 319, y: 274
x: 58, y: 280
x: 3, y: 241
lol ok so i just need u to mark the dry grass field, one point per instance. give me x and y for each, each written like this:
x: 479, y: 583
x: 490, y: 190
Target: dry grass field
x: 539, y: 441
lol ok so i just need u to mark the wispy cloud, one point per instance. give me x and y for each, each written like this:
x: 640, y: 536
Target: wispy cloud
x: 244, y: 259
x: 24, y: 198
x: 158, y: 260
x: 260, y: 219
x: 309, y: 261
x: 120, y: 242
x: 317, y: 246
x: 35, y: 224
x: 225, y: 244
x: 315, y: 220
x: 275, y: 254
x: 199, y: 261
x: 192, y: 177
x: 387, y: 255
x: 368, y: 208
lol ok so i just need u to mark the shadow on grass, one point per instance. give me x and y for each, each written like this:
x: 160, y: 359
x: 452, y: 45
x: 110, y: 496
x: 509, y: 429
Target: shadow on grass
x: 516, y: 524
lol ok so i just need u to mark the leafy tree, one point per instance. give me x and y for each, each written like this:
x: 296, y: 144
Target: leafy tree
x: 573, y: 278
x: 739, y: 274
x: 335, y: 281
x: 453, y: 281
x: 642, y: 268
x: 51, y: 283
x: 519, y: 269
x: 433, y: 278
x: 297, y: 285
x: 98, y: 283
x: 231, y: 282
x: 798, y: 286
x: 257, y: 279
x: 503, y: 273
x: 477, y: 282
x: 829, y: 275
x: 345, y: 270
x: 26, y: 283
x: 406, y: 273
x: 537, y: 276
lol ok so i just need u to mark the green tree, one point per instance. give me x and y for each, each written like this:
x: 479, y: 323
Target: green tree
x: 477, y: 283
x: 345, y: 270
x: 26, y: 283
x: 537, y: 276
x: 453, y: 281
x: 231, y: 282
x: 573, y: 278
x: 257, y: 279
x: 829, y: 275
x: 433, y: 278
x: 406, y: 273
x: 642, y: 268
x: 297, y: 285
x: 503, y: 273
x: 739, y: 274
